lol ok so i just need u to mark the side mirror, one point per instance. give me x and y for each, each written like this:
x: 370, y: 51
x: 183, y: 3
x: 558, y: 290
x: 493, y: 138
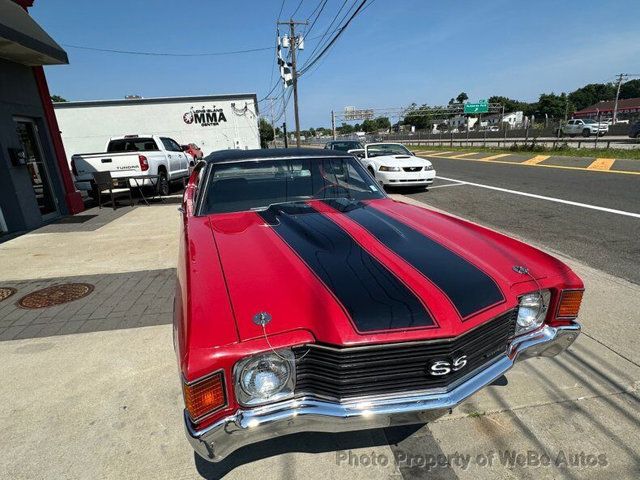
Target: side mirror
x: 413, y: 153
x: 184, y: 148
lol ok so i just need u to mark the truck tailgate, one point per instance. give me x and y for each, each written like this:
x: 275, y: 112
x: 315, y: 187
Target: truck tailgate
x: 119, y: 164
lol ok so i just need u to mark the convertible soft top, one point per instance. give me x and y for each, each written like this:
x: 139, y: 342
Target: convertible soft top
x: 264, y: 153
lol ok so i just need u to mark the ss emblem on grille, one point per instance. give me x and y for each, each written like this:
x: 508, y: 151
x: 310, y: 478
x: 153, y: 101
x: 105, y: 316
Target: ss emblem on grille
x: 445, y: 367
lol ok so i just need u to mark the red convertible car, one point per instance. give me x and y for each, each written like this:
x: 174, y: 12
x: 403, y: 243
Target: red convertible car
x: 308, y: 300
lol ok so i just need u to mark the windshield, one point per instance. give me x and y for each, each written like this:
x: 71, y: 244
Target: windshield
x: 345, y: 146
x: 255, y: 185
x: 589, y: 120
x: 380, y: 149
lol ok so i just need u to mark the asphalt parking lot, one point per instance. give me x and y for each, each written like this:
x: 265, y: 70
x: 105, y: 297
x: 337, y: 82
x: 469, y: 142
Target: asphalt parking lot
x: 105, y: 401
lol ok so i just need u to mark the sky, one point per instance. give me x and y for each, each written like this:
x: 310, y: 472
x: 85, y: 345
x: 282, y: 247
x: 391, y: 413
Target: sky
x: 394, y: 53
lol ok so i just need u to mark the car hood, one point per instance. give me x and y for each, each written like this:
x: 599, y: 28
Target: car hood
x: 401, y: 161
x: 355, y: 272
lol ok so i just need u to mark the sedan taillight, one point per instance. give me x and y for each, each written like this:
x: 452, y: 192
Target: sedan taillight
x: 144, y: 163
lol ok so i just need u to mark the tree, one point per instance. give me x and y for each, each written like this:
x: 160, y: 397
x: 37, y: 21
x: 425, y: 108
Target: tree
x: 462, y: 97
x: 510, y: 105
x: 630, y: 89
x: 57, y: 99
x: 452, y: 101
x: 266, y: 133
x: 345, y: 129
x: 369, y: 126
x: 383, y: 123
x: 555, y: 106
x: 419, y: 120
x: 591, y: 94
x: 312, y: 132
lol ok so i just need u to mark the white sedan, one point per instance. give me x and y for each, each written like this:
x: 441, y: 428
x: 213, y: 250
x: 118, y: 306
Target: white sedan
x: 393, y: 165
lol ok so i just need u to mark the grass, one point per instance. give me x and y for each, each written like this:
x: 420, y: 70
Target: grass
x: 476, y: 414
x: 529, y: 148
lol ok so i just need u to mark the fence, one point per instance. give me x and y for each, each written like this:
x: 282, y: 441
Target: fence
x: 544, y: 137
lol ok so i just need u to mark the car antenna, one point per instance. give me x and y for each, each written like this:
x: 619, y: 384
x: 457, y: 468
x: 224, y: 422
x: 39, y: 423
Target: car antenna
x: 522, y: 270
x: 262, y: 319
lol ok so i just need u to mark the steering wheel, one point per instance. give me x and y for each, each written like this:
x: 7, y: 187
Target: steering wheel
x: 326, y: 187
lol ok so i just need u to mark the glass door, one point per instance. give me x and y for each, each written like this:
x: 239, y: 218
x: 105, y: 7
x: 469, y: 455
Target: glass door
x: 28, y: 135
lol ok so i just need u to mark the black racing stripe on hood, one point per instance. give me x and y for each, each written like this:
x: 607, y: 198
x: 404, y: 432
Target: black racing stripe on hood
x: 469, y: 288
x: 372, y: 295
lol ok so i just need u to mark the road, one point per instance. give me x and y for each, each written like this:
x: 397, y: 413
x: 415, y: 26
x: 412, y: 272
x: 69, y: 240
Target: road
x: 607, y: 239
x: 91, y: 388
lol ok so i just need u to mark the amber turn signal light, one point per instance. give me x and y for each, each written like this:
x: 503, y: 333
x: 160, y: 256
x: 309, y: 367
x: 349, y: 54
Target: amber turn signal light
x: 569, y: 305
x: 204, y: 396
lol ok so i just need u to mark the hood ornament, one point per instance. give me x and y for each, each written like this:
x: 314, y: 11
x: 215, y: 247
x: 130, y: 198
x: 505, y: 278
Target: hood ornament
x: 262, y: 318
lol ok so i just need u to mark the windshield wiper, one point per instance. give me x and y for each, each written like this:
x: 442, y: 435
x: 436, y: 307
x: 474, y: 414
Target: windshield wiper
x: 267, y: 207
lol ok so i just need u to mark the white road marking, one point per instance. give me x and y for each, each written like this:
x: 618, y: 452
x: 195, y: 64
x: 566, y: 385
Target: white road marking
x: 448, y: 185
x: 542, y: 197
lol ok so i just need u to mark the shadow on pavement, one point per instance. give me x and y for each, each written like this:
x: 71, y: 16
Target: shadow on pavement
x: 311, y: 442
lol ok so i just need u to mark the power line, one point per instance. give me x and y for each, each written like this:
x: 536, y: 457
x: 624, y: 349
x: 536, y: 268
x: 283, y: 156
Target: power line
x: 326, y: 32
x: 320, y: 6
x: 281, y: 7
x: 166, y: 54
x: 297, y: 8
x: 310, y: 63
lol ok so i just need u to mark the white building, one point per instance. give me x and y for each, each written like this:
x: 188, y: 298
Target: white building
x: 513, y: 119
x: 213, y: 122
x: 462, y: 122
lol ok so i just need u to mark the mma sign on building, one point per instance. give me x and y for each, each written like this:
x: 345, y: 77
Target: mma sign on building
x: 213, y: 122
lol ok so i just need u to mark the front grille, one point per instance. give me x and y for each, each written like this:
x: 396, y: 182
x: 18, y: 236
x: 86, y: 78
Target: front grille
x: 341, y: 373
x: 412, y: 169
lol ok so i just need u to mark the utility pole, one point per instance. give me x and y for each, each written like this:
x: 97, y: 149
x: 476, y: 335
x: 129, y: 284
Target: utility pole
x: 333, y: 124
x: 273, y: 125
x: 284, y: 131
x: 621, y: 77
x: 293, y: 45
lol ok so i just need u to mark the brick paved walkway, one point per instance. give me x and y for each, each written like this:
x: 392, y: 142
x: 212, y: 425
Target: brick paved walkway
x: 121, y: 300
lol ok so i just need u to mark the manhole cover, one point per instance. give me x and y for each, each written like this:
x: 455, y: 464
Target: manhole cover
x: 55, y: 295
x: 6, y: 292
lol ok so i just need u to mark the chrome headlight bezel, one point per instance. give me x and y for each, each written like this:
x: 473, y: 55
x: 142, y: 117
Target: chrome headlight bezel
x: 282, y: 359
x: 533, y: 308
x: 385, y: 168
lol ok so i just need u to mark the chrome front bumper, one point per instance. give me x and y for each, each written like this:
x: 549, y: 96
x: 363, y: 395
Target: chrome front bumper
x: 310, y: 414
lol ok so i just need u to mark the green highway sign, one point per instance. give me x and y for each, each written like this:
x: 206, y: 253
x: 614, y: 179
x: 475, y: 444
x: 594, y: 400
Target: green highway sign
x: 481, y: 107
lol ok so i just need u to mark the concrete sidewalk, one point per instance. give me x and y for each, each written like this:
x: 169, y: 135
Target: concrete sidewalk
x: 107, y: 404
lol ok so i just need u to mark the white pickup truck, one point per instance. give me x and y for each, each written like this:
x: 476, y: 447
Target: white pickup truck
x: 134, y: 155
x: 585, y: 127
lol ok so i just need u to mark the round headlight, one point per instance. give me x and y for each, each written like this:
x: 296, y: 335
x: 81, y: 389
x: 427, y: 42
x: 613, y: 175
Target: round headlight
x: 532, y: 310
x: 265, y: 377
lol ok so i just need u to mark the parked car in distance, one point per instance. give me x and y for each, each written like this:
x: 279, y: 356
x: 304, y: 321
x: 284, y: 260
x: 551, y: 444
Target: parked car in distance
x: 585, y: 127
x: 392, y: 164
x: 130, y: 155
x: 193, y: 150
x: 343, y: 145
x: 634, y: 130
x: 307, y: 300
